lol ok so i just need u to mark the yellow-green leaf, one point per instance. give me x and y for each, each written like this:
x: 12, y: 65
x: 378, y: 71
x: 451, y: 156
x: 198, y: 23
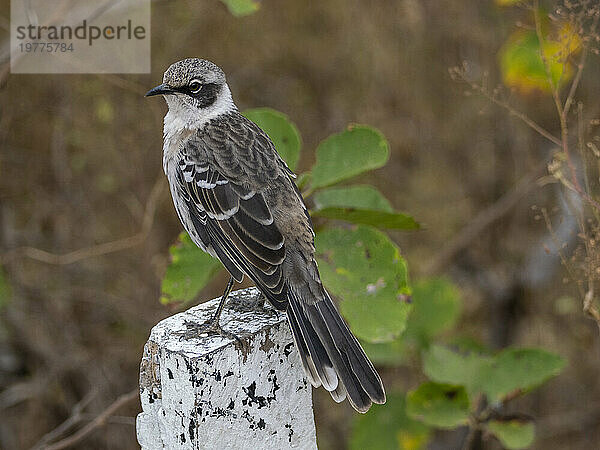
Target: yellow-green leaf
x: 240, y: 8
x: 514, y: 434
x: 522, y: 65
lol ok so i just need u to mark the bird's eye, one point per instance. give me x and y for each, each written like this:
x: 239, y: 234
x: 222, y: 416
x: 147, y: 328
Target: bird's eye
x: 195, y: 86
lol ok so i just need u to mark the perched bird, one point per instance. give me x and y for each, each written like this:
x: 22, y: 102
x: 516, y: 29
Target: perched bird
x: 236, y: 198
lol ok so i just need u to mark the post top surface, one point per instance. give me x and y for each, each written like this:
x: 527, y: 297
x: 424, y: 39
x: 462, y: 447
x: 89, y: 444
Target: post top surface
x: 242, y: 316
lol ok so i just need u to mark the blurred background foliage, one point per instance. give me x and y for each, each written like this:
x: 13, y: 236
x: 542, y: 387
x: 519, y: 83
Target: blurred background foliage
x: 87, y: 226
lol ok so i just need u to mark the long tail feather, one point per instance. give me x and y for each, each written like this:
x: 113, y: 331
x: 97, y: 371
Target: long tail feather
x: 331, y: 355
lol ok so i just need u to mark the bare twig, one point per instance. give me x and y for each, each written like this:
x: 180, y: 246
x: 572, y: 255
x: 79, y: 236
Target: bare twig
x: 100, y: 420
x: 558, y: 245
x: 484, y: 219
x: 101, y: 249
x: 554, y: 88
x: 481, y: 90
x: 521, y: 116
x: 580, y: 66
x: 71, y: 421
x: 562, y: 112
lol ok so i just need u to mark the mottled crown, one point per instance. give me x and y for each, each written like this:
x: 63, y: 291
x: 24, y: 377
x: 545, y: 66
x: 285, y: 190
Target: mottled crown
x: 182, y: 72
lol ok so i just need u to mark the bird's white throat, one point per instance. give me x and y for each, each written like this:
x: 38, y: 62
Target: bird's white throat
x: 184, y: 119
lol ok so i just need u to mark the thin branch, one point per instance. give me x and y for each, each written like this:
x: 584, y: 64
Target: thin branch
x: 530, y: 123
x: 481, y: 90
x: 484, y: 219
x: 100, y: 420
x: 100, y: 249
x: 71, y: 421
x: 558, y: 246
x: 564, y: 129
x: 580, y: 66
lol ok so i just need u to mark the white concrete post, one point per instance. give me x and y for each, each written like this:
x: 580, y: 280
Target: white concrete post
x: 203, y: 393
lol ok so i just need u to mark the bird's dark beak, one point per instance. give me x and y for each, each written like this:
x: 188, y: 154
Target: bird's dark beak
x: 161, y: 89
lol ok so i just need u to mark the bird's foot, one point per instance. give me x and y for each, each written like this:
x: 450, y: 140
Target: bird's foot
x: 209, y: 328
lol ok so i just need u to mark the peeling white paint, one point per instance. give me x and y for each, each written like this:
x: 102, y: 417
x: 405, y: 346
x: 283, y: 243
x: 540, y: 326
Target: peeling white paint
x: 203, y: 393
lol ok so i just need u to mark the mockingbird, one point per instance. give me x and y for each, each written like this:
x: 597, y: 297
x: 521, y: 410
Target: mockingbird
x: 236, y: 198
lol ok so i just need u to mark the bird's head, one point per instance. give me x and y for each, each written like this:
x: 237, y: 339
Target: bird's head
x: 195, y: 88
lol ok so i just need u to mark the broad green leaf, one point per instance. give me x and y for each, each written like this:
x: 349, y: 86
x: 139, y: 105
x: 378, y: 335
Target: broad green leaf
x: 349, y: 153
x: 520, y: 369
x: 469, y: 344
x: 281, y: 130
x: 189, y: 271
x: 361, y: 204
x: 446, y: 366
x: 358, y: 197
x: 389, y: 354
x: 240, y: 8
x: 439, y: 405
x: 364, y: 269
x: 379, y: 219
x: 436, y: 308
x: 388, y: 428
x: 522, y: 65
x: 514, y: 434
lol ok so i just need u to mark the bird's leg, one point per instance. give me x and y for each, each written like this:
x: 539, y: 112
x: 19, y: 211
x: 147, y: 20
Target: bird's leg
x: 211, y: 326
x: 217, y: 314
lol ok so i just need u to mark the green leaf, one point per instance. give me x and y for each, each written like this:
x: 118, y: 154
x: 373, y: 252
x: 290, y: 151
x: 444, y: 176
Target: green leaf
x: 281, y: 130
x: 358, y: 197
x: 364, y: 268
x: 439, y: 405
x: 436, y: 309
x: 513, y: 434
x: 189, y: 271
x: 349, y: 153
x: 466, y: 344
x: 387, y: 353
x: 394, y: 221
x: 361, y: 204
x: 446, y: 366
x: 388, y: 428
x: 520, y: 369
x: 240, y: 8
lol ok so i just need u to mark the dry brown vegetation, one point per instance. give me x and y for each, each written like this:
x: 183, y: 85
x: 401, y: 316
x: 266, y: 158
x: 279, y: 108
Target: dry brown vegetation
x: 80, y: 167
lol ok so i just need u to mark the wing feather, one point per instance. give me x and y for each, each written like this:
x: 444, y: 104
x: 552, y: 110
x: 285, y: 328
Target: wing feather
x: 232, y: 219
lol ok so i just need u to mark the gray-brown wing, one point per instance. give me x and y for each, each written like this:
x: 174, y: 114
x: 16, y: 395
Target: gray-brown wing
x: 230, y: 215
